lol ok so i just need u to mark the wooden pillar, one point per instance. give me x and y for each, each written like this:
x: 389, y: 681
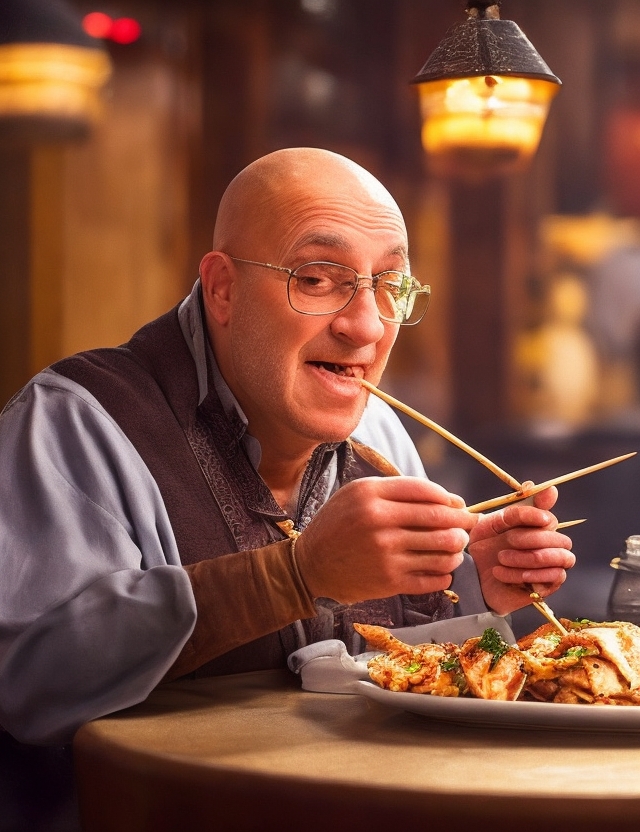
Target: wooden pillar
x: 14, y: 272
x: 477, y: 315
x: 31, y: 220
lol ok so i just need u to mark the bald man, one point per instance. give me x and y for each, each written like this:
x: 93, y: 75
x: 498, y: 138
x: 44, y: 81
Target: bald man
x: 219, y: 491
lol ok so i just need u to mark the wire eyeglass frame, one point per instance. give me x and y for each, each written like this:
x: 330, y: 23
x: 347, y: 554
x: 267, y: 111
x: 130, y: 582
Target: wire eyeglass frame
x: 400, y: 294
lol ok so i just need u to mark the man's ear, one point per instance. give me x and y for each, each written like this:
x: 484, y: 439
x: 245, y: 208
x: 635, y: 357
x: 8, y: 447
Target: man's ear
x: 216, y: 276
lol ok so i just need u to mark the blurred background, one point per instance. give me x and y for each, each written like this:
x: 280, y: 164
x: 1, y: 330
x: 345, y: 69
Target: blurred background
x: 530, y: 351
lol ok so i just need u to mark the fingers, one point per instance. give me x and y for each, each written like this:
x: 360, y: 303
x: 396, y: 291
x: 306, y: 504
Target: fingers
x: 408, y: 503
x: 517, y: 546
x: 405, y: 518
x: 413, y: 490
x: 545, y: 570
x: 520, y: 515
x: 530, y: 564
x: 546, y: 499
x: 446, y: 540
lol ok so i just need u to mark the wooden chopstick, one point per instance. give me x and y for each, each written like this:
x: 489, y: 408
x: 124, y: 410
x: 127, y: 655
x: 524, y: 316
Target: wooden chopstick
x: 519, y: 494
x: 507, y: 478
x: 523, y: 494
x: 566, y: 523
x: 546, y: 610
x: 537, y: 601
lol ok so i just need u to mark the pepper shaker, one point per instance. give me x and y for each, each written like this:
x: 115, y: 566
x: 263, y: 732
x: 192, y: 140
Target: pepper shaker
x: 624, y: 597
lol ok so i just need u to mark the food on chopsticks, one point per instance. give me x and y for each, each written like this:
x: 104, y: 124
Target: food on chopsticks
x: 595, y: 663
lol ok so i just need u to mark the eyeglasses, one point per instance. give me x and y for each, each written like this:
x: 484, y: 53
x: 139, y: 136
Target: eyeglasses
x: 321, y: 288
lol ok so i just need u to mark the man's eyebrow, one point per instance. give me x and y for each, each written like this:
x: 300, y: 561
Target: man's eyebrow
x: 402, y: 251
x: 328, y: 239
x: 332, y: 240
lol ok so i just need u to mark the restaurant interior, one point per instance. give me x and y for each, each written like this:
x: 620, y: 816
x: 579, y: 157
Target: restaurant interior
x: 530, y: 350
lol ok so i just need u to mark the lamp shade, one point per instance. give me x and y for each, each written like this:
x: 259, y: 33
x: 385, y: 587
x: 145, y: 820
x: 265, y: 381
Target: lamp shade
x: 485, y: 94
x: 51, y: 72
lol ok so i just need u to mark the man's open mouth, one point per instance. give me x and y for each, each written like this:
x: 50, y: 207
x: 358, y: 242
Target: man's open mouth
x: 337, y: 369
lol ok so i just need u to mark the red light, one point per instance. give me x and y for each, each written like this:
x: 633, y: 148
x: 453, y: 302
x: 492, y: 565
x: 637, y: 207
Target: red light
x: 125, y: 30
x: 97, y: 24
x: 121, y: 30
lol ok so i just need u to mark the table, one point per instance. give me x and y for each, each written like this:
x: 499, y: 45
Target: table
x: 256, y: 752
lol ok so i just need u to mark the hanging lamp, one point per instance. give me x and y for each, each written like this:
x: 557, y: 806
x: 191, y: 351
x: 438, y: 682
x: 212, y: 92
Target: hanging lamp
x: 51, y: 72
x: 485, y: 93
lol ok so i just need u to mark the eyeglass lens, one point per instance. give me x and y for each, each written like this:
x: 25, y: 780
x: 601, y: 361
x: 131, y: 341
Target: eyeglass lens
x: 324, y: 288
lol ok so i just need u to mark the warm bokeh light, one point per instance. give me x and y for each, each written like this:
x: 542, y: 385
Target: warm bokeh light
x: 123, y: 30
x: 483, y: 125
x: 52, y: 81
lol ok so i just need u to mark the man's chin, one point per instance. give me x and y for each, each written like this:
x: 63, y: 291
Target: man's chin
x: 333, y: 431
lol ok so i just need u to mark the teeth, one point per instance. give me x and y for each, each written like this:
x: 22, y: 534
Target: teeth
x: 339, y: 369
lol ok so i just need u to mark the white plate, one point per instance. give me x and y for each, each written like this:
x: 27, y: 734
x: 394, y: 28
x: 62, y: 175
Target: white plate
x: 489, y: 712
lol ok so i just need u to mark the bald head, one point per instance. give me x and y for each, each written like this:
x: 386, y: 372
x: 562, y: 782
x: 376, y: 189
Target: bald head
x: 257, y: 199
x: 290, y: 208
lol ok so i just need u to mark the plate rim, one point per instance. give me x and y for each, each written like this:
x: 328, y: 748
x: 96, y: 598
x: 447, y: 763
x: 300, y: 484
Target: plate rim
x: 519, y: 714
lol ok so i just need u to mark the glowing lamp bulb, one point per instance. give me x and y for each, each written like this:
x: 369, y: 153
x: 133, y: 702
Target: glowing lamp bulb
x: 484, y: 124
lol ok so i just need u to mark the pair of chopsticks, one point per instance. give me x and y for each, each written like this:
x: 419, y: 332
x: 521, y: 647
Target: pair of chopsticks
x: 548, y: 613
x: 523, y: 493
x: 520, y: 492
x: 511, y: 481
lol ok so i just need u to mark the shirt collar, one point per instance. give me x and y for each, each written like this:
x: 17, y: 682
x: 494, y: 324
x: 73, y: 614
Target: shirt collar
x: 191, y: 319
x: 192, y: 323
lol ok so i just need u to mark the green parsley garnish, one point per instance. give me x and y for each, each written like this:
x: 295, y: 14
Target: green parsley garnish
x: 577, y: 652
x: 493, y: 643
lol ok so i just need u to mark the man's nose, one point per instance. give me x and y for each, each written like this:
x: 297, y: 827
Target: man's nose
x: 360, y: 320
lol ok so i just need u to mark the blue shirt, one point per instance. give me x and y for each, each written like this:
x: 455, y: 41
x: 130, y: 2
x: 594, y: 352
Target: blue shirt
x: 94, y: 603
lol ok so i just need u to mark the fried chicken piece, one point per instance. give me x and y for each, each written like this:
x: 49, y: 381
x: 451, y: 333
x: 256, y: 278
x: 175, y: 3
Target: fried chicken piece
x: 491, y: 677
x: 422, y: 668
x: 594, y: 663
x: 379, y: 638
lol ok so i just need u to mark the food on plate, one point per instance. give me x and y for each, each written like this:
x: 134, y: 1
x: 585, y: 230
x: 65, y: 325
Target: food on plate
x: 595, y: 663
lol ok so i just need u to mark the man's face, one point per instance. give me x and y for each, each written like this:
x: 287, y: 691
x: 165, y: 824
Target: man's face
x: 295, y: 375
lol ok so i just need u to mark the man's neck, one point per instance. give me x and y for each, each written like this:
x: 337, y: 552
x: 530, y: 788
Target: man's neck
x: 283, y: 477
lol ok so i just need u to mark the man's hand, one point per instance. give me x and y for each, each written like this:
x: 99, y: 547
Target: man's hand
x: 384, y: 536
x: 516, y: 546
